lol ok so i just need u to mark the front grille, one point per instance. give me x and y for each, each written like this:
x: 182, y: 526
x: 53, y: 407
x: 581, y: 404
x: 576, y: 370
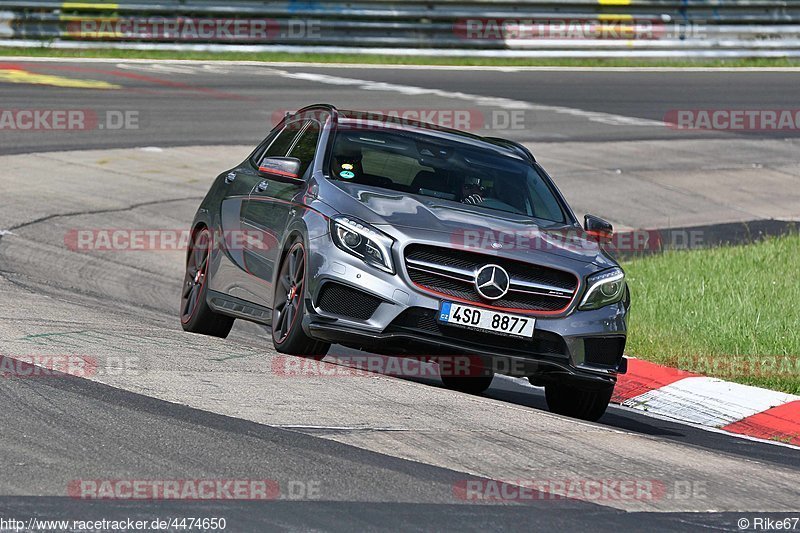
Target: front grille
x: 605, y: 351
x: 344, y: 301
x: 423, y: 322
x: 452, y: 273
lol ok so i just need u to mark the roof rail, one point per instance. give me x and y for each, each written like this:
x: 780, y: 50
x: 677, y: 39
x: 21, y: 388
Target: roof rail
x: 327, y: 107
x: 322, y: 107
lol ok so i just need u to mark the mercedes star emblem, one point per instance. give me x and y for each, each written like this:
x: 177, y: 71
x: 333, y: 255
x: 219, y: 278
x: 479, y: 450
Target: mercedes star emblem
x: 492, y: 282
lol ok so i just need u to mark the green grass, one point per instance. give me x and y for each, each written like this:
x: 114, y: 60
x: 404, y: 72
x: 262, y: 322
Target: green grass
x: 396, y: 60
x: 729, y: 312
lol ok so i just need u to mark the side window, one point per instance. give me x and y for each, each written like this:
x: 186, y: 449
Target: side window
x: 545, y: 204
x: 306, y: 146
x: 281, y: 144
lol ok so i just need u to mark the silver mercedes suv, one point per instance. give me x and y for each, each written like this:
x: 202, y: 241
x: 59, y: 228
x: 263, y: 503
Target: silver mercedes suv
x: 403, y: 238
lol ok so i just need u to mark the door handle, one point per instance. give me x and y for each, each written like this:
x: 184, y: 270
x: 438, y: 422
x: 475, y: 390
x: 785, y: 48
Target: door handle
x: 262, y: 186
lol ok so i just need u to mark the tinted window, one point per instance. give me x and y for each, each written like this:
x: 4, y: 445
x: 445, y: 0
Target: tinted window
x: 306, y: 146
x: 428, y: 165
x: 282, y: 143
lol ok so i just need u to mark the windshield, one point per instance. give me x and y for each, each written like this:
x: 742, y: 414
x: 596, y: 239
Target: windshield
x: 426, y: 165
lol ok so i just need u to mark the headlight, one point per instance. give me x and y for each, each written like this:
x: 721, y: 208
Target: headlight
x: 363, y: 241
x: 604, y: 288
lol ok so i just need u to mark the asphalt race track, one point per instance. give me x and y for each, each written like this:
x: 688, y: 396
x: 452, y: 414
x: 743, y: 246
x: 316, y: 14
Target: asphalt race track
x: 199, y: 104
x: 349, y: 452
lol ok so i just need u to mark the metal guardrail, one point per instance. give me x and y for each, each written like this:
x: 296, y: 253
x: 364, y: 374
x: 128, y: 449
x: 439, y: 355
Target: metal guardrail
x: 732, y: 11
x: 469, y: 27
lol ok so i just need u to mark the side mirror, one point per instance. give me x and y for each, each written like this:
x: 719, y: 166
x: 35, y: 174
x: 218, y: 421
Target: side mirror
x: 598, y: 228
x: 280, y: 167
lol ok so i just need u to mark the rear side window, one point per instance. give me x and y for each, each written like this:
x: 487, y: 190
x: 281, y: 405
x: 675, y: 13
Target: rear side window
x: 306, y: 146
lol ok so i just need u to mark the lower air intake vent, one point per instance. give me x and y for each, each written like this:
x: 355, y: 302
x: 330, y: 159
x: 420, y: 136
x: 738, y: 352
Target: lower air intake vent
x: 340, y: 300
x: 605, y: 351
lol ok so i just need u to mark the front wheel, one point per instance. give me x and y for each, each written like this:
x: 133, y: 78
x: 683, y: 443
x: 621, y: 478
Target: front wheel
x: 476, y: 383
x: 570, y: 401
x: 288, y: 307
x: 467, y: 385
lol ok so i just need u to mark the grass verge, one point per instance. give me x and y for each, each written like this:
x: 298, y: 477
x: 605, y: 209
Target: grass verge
x: 395, y: 60
x: 729, y: 312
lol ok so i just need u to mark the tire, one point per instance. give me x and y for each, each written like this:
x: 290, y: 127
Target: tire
x: 196, y: 315
x: 570, y: 401
x: 288, y: 307
x: 470, y: 384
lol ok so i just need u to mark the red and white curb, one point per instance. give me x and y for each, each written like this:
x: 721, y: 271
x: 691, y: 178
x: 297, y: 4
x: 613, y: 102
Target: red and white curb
x: 711, y: 402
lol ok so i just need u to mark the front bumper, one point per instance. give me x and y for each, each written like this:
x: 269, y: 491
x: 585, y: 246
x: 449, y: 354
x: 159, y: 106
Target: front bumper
x: 580, y: 345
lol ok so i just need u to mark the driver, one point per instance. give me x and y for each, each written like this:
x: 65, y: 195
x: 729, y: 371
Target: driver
x: 472, y: 191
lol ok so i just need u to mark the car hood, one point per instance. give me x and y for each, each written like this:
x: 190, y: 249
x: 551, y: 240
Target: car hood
x: 466, y: 226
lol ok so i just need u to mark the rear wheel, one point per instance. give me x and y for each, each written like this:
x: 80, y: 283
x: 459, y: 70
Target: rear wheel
x: 196, y: 315
x: 288, y: 307
x: 567, y: 400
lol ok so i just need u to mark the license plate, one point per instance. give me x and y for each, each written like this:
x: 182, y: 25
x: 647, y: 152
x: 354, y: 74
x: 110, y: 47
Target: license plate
x: 486, y: 320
